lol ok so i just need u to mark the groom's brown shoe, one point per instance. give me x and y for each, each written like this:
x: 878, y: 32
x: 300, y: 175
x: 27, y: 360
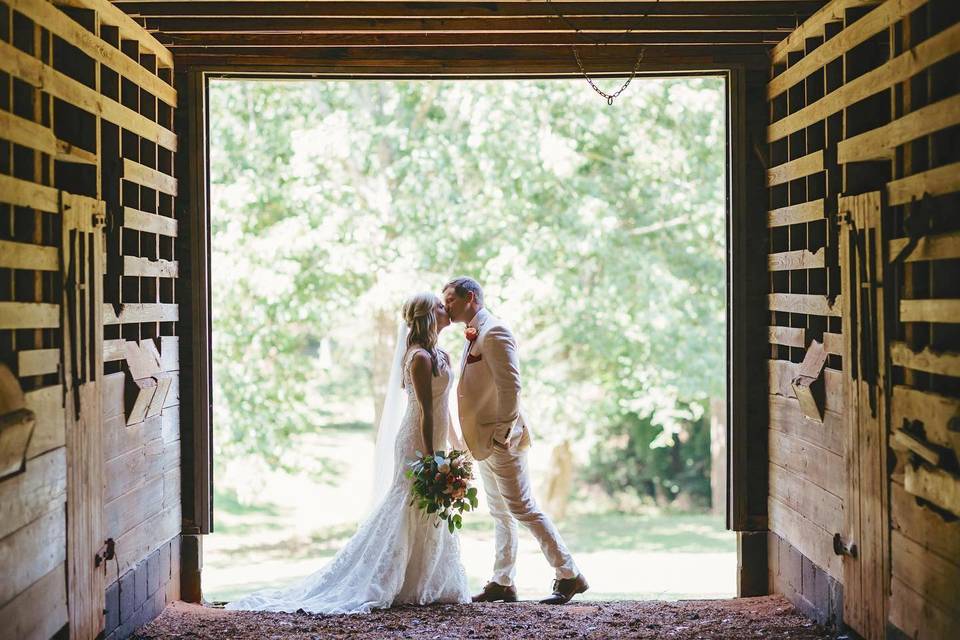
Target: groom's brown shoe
x: 565, y: 588
x: 494, y: 592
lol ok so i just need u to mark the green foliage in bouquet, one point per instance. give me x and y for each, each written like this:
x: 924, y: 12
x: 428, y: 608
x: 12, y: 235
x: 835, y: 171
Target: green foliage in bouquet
x: 441, y: 486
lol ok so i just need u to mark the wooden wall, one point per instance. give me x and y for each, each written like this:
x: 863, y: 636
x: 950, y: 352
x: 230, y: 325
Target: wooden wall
x: 863, y: 181
x: 92, y: 450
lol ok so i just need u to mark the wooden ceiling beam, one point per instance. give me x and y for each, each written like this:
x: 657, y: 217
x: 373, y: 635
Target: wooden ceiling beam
x: 354, y: 9
x: 198, y: 41
x: 468, y: 25
x: 453, y: 61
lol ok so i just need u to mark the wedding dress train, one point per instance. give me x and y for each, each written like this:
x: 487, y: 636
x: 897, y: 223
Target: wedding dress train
x: 397, y: 556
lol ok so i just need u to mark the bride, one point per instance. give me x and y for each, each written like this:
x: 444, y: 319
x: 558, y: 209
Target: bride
x: 397, y: 556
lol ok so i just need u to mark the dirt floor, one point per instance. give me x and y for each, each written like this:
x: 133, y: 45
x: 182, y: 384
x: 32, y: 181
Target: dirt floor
x: 765, y: 617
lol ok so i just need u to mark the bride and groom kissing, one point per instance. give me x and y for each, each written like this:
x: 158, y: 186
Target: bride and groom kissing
x: 397, y: 556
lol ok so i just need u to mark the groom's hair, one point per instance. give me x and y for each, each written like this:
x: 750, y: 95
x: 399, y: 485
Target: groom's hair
x: 463, y: 285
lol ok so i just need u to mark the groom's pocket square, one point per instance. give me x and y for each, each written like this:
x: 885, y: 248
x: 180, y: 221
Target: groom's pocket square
x: 474, y: 358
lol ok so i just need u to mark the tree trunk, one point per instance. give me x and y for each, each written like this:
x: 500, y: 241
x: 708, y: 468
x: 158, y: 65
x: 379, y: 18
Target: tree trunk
x: 559, y: 481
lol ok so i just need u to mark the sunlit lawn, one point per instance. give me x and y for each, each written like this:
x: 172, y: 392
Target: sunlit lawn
x: 295, y: 524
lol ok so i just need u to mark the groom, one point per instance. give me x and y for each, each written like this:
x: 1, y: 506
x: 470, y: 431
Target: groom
x: 488, y: 396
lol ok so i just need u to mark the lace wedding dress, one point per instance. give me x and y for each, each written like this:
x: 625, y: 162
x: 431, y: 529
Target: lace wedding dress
x: 397, y: 556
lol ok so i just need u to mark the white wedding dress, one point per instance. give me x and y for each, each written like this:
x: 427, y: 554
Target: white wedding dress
x: 397, y: 556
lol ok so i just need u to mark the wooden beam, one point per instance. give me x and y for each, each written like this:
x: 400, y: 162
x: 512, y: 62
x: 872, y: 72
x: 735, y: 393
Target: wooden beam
x: 22, y: 255
x: 945, y: 363
x: 814, y: 26
x: 59, y: 23
x: 149, y: 222
x: 143, y: 312
x: 29, y: 315
x: 24, y: 193
x: 939, y: 414
x: 794, y: 169
x: 50, y: 430
x: 41, y: 488
x: 800, y: 259
x: 796, y: 213
x: 181, y: 43
x: 821, y: 507
x: 904, y: 441
x: 35, y: 73
x: 812, y: 541
x: 148, y: 177
x: 787, y: 417
x: 126, y: 26
x: 929, y: 52
x: 457, y: 9
x: 833, y: 343
x: 550, y: 24
x: 932, y: 182
x: 930, y: 310
x: 935, y: 485
x: 37, y: 362
x: 31, y: 552
x: 881, y: 18
x: 36, y: 136
x: 945, y: 246
x: 38, y: 612
x: 146, y: 268
x: 922, y: 524
x: 880, y: 143
x: 812, y: 304
x: 787, y: 336
x: 820, y: 466
x: 937, y: 579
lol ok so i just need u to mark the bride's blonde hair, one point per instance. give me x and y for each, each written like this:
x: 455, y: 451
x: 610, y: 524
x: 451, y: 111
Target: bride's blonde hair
x: 420, y: 315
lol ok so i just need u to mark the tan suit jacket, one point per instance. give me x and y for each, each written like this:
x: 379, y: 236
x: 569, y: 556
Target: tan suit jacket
x: 488, y: 393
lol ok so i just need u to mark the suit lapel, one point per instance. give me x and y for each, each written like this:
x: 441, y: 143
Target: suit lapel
x: 466, y: 348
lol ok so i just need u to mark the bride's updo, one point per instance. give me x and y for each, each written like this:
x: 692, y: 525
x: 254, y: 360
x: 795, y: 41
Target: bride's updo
x: 419, y: 313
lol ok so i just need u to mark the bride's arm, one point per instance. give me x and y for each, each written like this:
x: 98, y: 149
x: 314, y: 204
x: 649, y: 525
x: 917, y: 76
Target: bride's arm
x: 421, y: 370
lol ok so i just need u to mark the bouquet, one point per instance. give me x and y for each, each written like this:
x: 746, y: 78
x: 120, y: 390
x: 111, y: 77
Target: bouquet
x: 441, y: 486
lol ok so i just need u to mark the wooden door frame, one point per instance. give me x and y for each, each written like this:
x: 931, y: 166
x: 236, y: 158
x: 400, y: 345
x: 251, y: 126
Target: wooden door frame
x: 745, y: 281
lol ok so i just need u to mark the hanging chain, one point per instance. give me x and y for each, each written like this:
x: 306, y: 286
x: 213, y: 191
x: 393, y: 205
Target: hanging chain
x: 577, y: 31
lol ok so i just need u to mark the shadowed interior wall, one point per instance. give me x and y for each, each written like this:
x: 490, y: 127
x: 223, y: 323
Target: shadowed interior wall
x: 863, y: 185
x: 88, y: 323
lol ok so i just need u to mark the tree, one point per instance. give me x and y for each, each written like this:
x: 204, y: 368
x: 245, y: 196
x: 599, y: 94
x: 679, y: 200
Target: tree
x: 597, y: 231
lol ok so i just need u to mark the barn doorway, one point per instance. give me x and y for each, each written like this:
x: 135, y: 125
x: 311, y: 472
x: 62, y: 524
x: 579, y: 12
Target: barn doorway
x: 599, y: 231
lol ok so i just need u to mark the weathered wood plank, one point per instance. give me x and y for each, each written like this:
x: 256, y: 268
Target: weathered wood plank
x: 114, y: 350
x: 149, y: 222
x: 169, y: 353
x: 812, y: 304
x: 939, y: 414
x: 881, y: 18
x: 37, y: 362
x: 933, y: 182
x: 930, y: 310
x: 821, y: 507
x: 119, y: 438
x: 127, y: 27
x: 786, y: 417
x: 801, y: 259
x: 917, y: 616
x: 139, y: 542
x: 833, y: 343
x: 809, y: 539
x: 794, y: 169
x: 24, y: 193
x: 40, y: 489
x: 125, y: 512
x: 819, y: 466
x: 31, y: 552
x: 787, y: 336
x: 22, y: 255
x: 922, y: 525
x: 40, y: 611
x: 814, y: 26
x: 50, y: 430
x: 938, y: 486
x: 29, y: 315
x: 34, y: 72
x: 935, y: 578
x: 899, y: 69
x: 880, y: 143
x: 146, y: 268
x: 781, y: 373
x: 796, y: 213
x: 945, y: 363
x: 141, y: 312
x: 945, y: 246
x: 32, y: 135
x: 112, y: 386
x: 70, y: 30
x: 144, y: 175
